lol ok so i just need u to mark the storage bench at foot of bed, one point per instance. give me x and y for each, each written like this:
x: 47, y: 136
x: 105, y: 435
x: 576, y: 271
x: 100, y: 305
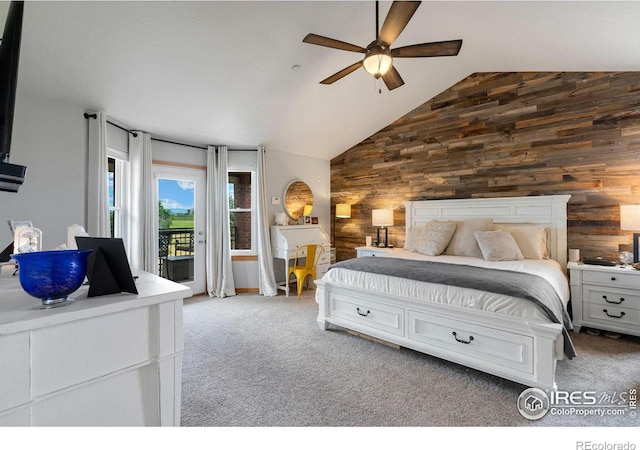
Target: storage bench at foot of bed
x: 509, y: 347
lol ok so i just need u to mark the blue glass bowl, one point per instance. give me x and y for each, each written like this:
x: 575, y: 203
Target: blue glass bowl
x: 51, y: 276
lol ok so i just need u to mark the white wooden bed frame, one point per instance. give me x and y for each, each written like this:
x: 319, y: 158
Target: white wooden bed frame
x: 509, y: 347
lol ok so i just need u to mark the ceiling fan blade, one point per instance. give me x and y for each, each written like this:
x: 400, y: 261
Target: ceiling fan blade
x: 332, y: 43
x: 392, y: 79
x: 343, y: 73
x: 444, y: 48
x: 397, y: 18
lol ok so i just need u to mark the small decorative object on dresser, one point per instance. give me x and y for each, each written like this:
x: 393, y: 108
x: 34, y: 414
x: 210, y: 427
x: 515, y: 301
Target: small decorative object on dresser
x: 281, y: 218
x: 607, y: 298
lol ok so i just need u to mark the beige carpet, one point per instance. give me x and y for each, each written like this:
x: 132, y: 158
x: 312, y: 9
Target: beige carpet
x: 263, y: 361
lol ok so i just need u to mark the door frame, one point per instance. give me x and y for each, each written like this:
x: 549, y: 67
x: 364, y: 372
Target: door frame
x: 199, y: 176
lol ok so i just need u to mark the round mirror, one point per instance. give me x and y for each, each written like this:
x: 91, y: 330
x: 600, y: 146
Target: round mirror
x: 298, y: 199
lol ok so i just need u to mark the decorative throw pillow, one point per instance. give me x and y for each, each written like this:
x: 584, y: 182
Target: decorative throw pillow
x: 434, y: 237
x: 532, y: 239
x: 498, y: 246
x: 464, y: 242
x: 412, y: 238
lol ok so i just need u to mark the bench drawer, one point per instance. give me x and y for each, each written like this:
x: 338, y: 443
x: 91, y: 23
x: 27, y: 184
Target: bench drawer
x: 500, y: 347
x: 371, y: 314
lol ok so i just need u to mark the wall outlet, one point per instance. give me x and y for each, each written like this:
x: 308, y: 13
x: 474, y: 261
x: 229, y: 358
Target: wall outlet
x: 275, y: 200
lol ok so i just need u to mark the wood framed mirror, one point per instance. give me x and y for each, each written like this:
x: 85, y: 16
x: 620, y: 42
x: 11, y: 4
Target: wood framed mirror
x: 297, y: 196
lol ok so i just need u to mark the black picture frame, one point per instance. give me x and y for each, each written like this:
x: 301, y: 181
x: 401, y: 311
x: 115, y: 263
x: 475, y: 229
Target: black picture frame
x: 108, y: 269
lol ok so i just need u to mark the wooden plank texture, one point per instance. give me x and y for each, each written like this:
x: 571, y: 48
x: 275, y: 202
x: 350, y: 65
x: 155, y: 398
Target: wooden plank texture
x: 504, y: 134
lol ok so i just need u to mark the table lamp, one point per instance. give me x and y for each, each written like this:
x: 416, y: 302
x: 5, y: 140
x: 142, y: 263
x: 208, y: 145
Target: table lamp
x: 343, y: 210
x: 382, y: 218
x: 630, y: 221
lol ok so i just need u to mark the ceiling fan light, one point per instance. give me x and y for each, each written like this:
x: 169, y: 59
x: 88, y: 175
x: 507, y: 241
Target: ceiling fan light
x: 377, y: 63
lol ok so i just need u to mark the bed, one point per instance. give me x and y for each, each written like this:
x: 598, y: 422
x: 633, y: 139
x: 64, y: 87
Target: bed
x: 505, y: 330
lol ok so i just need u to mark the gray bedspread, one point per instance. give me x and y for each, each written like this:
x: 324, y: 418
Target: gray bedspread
x: 506, y: 282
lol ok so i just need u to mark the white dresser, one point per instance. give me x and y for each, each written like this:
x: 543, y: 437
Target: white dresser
x: 286, y: 239
x: 114, y: 360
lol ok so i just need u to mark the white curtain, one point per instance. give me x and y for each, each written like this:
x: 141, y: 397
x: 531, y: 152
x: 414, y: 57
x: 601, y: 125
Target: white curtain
x: 143, y: 250
x: 97, y: 185
x: 219, y: 270
x: 267, y: 278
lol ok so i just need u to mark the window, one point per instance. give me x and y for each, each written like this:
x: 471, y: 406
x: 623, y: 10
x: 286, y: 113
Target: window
x: 241, y: 210
x: 117, y: 177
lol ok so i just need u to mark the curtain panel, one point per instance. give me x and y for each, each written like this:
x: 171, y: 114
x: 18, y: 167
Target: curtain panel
x: 97, y: 186
x: 266, y: 275
x: 143, y: 223
x: 220, y: 281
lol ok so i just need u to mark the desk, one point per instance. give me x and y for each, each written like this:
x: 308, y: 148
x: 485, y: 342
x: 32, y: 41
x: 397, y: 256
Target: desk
x: 286, y: 239
x: 114, y: 360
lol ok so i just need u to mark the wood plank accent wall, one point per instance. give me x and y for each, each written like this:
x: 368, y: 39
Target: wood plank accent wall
x: 501, y: 135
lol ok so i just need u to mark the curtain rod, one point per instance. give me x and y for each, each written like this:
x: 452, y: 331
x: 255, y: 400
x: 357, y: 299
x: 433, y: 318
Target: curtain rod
x: 95, y: 116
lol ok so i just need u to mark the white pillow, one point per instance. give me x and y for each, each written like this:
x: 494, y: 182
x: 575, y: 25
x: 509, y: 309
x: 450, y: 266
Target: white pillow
x: 412, y: 238
x: 532, y: 239
x: 434, y: 237
x: 464, y: 242
x: 498, y: 245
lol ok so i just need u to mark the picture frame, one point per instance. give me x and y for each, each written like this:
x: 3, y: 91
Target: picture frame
x: 314, y: 220
x: 307, y: 220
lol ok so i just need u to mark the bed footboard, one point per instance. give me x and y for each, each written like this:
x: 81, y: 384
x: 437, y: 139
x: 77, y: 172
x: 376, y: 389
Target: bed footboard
x: 509, y: 347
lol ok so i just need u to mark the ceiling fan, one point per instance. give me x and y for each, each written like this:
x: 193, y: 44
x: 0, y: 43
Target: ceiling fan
x: 378, y: 59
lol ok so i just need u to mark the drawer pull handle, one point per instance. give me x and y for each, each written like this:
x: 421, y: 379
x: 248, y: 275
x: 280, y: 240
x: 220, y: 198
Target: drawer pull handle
x: 363, y: 314
x: 613, y: 278
x: 609, y: 301
x: 462, y: 341
x: 616, y: 317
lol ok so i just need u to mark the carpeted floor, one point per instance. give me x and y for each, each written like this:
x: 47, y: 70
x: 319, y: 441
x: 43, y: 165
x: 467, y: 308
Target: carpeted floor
x: 263, y: 361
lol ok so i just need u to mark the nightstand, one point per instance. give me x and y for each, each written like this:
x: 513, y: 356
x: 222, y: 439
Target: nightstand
x: 606, y: 298
x: 372, y: 251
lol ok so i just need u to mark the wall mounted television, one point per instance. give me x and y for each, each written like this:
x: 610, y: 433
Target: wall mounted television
x: 11, y: 175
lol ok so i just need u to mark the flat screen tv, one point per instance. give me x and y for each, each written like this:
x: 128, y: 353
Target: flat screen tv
x: 11, y: 175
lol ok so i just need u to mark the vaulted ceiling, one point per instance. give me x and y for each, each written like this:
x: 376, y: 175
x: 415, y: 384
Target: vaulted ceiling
x: 238, y: 73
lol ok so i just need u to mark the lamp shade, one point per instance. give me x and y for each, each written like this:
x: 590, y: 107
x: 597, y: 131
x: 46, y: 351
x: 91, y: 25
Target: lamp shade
x: 307, y: 210
x: 630, y: 217
x: 382, y: 217
x: 343, y: 210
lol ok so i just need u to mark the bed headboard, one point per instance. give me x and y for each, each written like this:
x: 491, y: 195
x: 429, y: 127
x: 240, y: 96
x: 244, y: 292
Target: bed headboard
x: 547, y: 210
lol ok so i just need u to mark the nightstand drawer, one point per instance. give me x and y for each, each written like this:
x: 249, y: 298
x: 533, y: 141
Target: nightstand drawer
x: 606, y: 315
x: 363, y: 253
x: 611, y: 297
x: 373, y: 251
x: 611, y: 278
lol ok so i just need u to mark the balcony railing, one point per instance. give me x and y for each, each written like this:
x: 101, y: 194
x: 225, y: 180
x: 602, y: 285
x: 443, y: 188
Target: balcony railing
x: 173, y: 242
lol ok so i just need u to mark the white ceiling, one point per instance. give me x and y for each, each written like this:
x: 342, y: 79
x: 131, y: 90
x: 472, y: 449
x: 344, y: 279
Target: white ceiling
x: 213, y: 72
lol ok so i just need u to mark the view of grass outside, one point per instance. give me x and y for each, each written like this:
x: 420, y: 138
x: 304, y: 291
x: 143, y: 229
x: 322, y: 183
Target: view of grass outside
x: 175, y: 217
